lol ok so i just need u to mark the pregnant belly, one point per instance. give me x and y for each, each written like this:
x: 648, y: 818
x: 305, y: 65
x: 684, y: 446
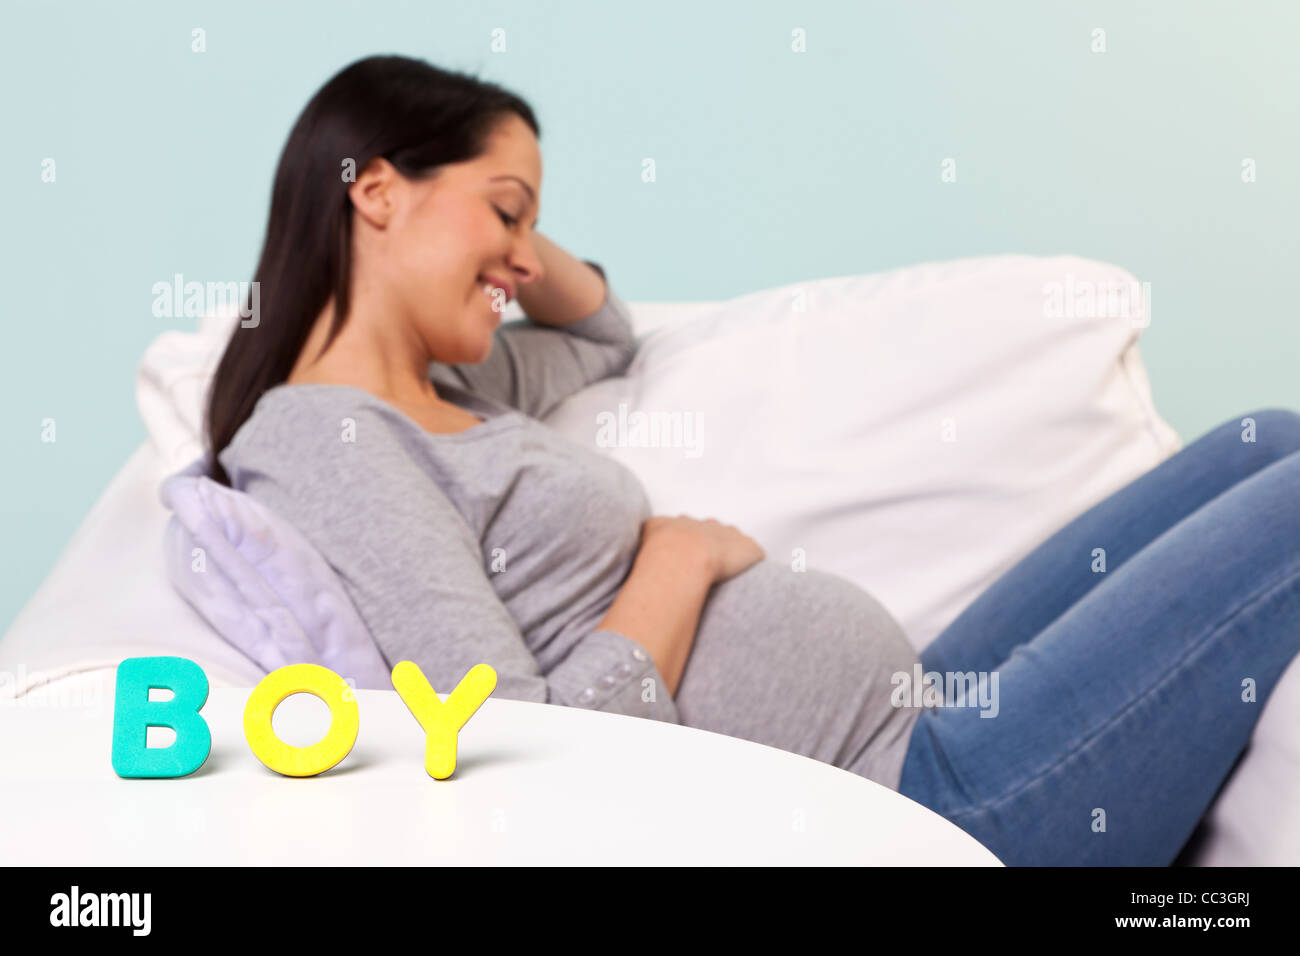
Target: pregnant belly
x: 802, y: 661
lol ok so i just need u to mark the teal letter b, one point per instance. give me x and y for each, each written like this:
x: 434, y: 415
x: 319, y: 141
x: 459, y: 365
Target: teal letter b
x: 134, y: 713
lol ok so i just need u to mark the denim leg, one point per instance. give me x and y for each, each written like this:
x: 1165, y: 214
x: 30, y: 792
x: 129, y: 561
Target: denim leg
x: 1134, y: 702
x: 1052, y: 577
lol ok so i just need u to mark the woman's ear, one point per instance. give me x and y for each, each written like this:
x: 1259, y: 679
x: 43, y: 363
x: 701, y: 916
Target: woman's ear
x: 374, y: 194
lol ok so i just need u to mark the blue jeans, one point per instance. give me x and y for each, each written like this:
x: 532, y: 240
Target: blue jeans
x: 1123, y: 698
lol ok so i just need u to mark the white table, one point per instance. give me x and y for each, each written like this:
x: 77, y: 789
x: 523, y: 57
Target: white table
x: 534, y: 784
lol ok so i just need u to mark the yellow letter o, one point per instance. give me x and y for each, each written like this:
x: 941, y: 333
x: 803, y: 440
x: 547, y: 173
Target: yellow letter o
x: 345, y: 719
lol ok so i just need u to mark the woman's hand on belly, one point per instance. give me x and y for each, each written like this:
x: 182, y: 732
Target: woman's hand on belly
x: 659, y: 604
x: 728, y: 550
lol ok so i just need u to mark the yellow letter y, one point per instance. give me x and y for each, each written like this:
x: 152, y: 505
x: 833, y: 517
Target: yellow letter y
x: 442, y: 720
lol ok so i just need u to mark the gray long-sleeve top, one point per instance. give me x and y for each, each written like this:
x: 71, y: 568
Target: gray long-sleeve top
x: 507, y: 543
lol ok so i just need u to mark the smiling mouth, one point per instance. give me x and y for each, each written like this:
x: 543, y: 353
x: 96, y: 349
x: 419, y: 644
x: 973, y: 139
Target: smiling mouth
x: 507, y: 290
x: 489, y: 293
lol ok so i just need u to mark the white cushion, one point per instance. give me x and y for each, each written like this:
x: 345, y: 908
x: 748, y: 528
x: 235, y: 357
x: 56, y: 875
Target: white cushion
x: 171, y: 384
x: 825, y: 405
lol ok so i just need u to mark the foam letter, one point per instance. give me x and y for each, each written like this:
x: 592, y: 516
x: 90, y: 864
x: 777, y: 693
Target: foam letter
x: 134, y: 713
x: 345, y: 719
x: 442, y: 720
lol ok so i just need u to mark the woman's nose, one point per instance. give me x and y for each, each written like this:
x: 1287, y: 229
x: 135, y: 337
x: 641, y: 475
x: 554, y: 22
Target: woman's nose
x: 527, y: 264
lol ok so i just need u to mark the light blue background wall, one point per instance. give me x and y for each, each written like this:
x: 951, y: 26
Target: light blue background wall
x: 772, y: 167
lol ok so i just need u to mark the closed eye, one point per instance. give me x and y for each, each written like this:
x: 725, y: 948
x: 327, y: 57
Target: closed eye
x: 510, y: 221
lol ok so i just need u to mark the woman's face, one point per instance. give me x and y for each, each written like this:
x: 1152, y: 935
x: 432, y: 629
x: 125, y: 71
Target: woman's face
x: 446, y: 237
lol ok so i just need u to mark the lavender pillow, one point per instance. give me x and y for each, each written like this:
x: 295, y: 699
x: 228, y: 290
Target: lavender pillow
x: 260, y: 584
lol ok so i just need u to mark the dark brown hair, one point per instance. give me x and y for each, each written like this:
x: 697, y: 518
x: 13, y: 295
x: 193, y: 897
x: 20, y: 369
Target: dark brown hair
x: 413, y: 114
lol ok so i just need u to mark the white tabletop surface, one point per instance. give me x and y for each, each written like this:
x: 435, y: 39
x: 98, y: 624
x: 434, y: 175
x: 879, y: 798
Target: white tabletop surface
x: 534, y: 784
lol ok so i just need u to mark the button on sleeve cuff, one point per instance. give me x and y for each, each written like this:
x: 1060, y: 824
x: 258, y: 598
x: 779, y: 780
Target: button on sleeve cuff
x: 610, y: 672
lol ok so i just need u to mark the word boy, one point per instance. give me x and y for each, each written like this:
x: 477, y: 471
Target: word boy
x: 134, y: 713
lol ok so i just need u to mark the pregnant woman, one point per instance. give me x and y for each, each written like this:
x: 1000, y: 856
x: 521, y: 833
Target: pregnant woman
x: 380, y: 405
